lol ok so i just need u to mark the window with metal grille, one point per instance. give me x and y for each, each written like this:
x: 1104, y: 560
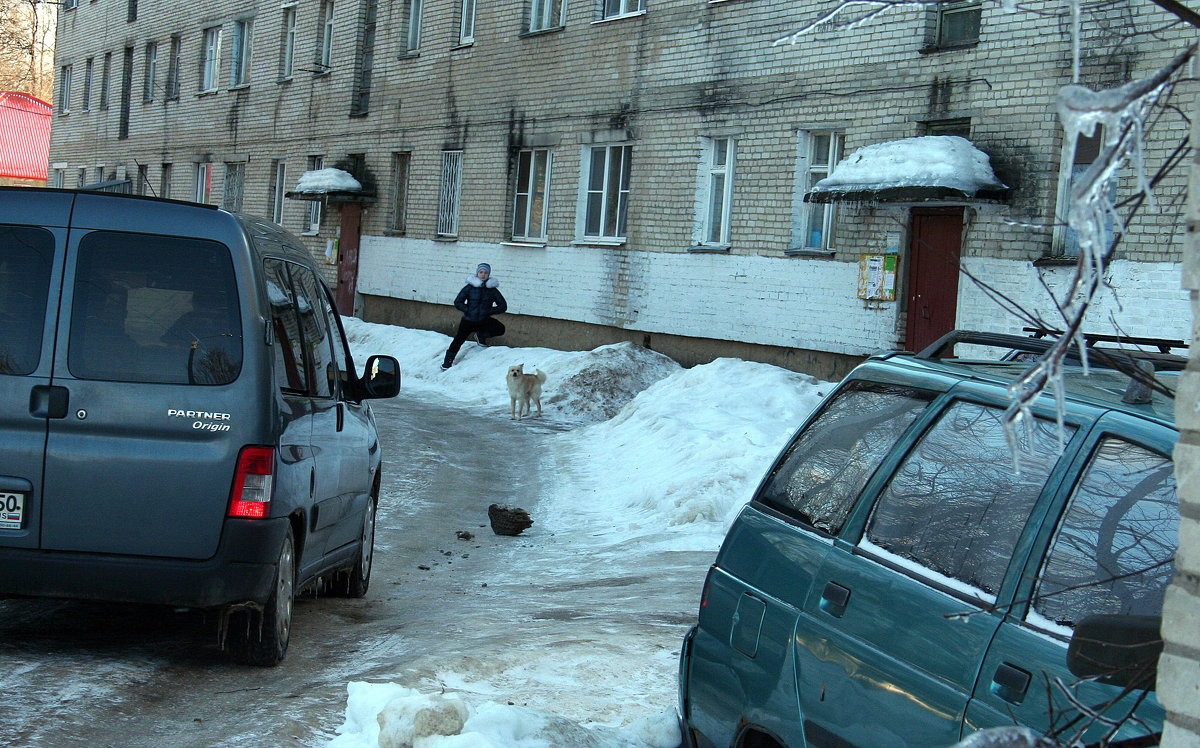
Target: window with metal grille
x: 87, y: 83
x: 361, y: 97
x: 231, y: 190
x: 451, y: 191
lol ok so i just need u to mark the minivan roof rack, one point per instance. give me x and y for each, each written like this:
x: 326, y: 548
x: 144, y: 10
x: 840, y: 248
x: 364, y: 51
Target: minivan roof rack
x: 1122, y: 359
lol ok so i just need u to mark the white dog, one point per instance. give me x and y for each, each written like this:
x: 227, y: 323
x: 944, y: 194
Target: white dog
x: 523, y: 389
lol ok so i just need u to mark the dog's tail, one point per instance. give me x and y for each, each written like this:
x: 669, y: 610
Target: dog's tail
x: 541, y: 376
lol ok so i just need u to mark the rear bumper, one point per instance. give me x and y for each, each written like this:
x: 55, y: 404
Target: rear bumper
x: 242, y: 569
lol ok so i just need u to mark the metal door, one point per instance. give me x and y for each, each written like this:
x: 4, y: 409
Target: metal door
x: 933, y: 260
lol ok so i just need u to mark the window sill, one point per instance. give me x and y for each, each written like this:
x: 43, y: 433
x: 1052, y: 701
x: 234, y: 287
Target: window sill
x: 240, y: 87
x: 410, y: 55
x: 808, y: 252
x: 445, y: 238
x: 932, y: 49
x: 524, y: 244
x: 463, y: 45
x: 310, y: 233
x: 395, y: 232
x: 208, y: 92
x: 282, y: 81
x: 635, y: 14
x: 597, y: 242
x: 540, y: 32
x: 322, y: 73
x: 709, y: 249
x: 1056, y: 261
x: 359, y: 115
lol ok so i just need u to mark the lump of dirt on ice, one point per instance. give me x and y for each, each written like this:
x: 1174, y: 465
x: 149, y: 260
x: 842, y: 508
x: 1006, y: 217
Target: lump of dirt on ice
x: 611, y: 377
x: 406, y: 720
x: 463, y: 535
x: 508, y: 520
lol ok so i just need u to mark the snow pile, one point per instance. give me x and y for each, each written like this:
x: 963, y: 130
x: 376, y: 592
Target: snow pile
x: 391, y: 716
x: 327, y: 180
x: 927, y: 161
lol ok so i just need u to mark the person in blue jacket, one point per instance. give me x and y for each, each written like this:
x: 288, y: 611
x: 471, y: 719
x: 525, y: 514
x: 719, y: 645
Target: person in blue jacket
x: 478, y: 301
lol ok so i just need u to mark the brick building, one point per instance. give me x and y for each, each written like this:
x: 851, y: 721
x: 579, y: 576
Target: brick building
x: 636, y: 169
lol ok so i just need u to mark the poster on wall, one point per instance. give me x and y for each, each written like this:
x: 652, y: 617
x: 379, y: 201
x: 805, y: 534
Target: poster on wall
x: 877, y: 277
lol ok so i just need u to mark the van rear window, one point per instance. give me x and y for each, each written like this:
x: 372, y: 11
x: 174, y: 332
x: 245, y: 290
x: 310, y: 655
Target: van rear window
x: 26, y: 256
x: 158, y: 309
x: 831, y: 460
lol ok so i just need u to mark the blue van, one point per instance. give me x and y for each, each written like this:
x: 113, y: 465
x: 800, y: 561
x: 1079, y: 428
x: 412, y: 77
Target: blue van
x: 181, y: 422
x: 909, y: 571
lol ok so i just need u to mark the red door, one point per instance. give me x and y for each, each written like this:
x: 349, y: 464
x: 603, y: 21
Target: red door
x: 933, y: 258
x: 347, y: 263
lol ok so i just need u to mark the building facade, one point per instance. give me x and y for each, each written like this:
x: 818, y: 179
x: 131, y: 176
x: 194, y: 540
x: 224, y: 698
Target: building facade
x: 637, y: 169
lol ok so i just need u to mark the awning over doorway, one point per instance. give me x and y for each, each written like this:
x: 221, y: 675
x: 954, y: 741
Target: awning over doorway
x: 331, y: 186
x: 932, y: 167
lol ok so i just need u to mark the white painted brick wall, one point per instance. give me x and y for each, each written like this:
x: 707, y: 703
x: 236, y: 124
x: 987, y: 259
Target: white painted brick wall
x: 795, y: 302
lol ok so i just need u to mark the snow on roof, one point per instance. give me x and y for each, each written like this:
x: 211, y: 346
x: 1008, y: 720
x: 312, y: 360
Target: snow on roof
x: 327, y: 180
x: 928, y: 161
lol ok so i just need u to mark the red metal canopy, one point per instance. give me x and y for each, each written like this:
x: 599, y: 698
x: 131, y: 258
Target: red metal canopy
x: 24, y: 136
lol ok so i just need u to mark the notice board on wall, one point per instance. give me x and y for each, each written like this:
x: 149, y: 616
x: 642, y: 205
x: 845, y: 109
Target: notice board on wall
x: 877, y: 277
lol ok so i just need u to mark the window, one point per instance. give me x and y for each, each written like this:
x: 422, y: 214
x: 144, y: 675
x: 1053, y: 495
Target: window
x: 955, y: 506
x: 321, y: 371
x: 413, y: 38
x: 325, y: 48
x: 234, y: 186
x: 143, y: 179
x: 606, y: 191
x: 82, y: 176
x: 203, y: 191
x: 70, y: 4
x: 716, y: 192
x: 316, y: 209
x: 131, y: 10
x: 172, y: 87
x: 177, y: 322
x: 1081, y: 157
x: 957, y: 23
x: 1112, y: 552
x: 126, y: 94
x: 466, y: 25
x: 529, y: 193
x: 243, y: 41
x: 58, y: 178
x: 546, y: 14
x: 451, y: 191
x: 25, y: 293
x: 150, y: 72
x: 278, y: 189
x: 64, y: 89
x: 87, y: 83
x: 960, y: 127
x: 164, y: 181
x: 828, y: 465
x: 210, y: 62
x: 399, y: 208
x: 105, y: 73
x: 819, y: 154
x: 287, y: 55
x: 291, y: 363
x: 618, y: 8
x: 361, y: 97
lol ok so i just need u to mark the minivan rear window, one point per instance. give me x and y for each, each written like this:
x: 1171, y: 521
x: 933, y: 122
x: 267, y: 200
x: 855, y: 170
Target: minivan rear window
x: 830, y: 462
x: 26, y: 256
x: 156, y: 309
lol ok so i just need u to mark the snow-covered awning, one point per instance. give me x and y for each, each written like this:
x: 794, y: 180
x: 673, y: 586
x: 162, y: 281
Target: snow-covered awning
x: 932, y: 167
x: 330, y: 185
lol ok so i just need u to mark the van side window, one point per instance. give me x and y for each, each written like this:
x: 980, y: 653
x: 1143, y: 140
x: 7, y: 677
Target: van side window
x: 1113, y: 550
x: 25, y: 259
x: 149, y: 308
x: 341, y: 356
x: 290, y: 365
x: 315, y: 326
x: 830, y: 462
x: 955, y: 505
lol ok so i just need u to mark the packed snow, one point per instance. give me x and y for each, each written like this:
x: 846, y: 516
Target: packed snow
x: 926, y: 161
x: 674, y: 452
x: 327, y: 180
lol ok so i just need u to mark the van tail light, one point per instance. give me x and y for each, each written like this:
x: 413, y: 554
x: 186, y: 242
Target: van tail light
x: 251, y: 495
x: 707, y: 588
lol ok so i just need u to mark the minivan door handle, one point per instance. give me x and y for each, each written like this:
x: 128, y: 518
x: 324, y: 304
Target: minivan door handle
x: 834, y: 599
x: 47, y: 401
x: 1010, y: 683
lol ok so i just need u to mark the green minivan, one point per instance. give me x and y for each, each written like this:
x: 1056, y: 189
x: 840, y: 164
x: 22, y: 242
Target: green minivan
x: 910, y: 571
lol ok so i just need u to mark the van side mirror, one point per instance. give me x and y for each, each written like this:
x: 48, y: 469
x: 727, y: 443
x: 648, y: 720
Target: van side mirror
x: 381, y: 377
x: 1121, y: 650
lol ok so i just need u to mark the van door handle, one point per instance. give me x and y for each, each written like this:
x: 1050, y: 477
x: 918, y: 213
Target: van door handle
x: 1010, y: 683
x: 46, y: 401
x: 834, y: 599
x: 341, y: 415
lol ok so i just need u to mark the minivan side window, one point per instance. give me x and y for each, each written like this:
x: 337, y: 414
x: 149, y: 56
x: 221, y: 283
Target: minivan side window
x: 315, y: 325
x: 826, y: 468
x: 1112, y: 552
x: 290, y: 361
x: 341, y: 359
x: 25, y: 262
x: 148, y: 308
x: 955, y: 505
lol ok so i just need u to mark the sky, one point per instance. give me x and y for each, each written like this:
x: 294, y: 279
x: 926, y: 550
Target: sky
x: 689, y: 446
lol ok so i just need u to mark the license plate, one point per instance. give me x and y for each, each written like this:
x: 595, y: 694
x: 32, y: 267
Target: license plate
x: 12, y: 510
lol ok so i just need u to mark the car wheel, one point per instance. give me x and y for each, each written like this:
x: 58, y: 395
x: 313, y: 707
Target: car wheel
x: 261, y: 638
x: 358, y: 578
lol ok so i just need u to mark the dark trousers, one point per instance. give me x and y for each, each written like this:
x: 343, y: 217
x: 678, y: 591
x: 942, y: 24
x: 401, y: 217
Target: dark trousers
x: 484, y: 329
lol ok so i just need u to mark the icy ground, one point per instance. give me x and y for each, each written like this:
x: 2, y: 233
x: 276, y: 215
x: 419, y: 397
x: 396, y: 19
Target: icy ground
x: 657, y: 459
